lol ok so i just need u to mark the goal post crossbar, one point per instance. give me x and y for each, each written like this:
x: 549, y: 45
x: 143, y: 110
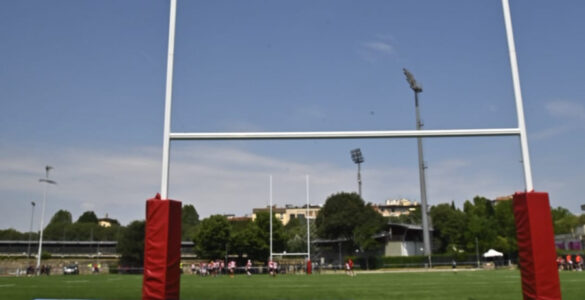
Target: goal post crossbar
x: 343, y: 134
x: 290, y: 254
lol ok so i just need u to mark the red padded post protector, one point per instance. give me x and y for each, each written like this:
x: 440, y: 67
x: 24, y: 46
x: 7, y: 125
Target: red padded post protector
x: 536, y: 246
x: 162, y: 249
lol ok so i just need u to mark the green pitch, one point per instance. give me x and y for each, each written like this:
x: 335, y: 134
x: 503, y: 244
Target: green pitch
x: 501, y: 284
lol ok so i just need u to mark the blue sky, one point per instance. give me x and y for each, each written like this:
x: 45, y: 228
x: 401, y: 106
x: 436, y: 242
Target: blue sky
x: 82, y: 89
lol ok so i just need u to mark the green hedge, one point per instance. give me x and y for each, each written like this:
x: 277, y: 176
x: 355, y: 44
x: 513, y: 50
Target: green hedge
x: 368, y: 262
x: 420, y: 260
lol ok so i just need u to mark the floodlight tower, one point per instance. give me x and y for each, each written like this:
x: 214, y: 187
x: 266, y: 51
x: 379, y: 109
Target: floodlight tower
x: 421, y: 167
x: 47, y: 181
x: 356, y: 156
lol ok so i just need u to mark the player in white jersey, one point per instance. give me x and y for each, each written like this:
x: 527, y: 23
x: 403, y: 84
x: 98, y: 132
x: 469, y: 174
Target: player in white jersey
x: 271, y: 267
x: 275, y: 267
x: 232, y: 268
x: 249, y: 267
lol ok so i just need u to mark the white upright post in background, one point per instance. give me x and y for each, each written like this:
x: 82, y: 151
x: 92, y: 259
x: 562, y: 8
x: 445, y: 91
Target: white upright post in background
x: 47, y: 181
x: 270, y: 217
x: 518, y: 97
x: 164, y: 189
x: 308, y: 223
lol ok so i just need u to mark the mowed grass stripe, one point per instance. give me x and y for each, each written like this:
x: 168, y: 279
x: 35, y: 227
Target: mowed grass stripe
x: 500, y: 284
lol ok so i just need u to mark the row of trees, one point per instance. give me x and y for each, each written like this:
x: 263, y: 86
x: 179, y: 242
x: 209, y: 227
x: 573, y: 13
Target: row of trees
x: 217, y: 237
x: 62, y: 228
x: 344, y: 215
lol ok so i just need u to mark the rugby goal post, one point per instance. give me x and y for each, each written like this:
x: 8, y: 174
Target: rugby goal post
x: 539, y: 275
x: 307, y: 212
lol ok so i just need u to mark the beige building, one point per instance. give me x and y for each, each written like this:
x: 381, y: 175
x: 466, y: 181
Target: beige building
x: 285, y: 214
x: 107, y: 222
x: 396, y: 207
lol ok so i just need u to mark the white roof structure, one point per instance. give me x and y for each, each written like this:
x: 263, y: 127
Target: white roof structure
x: 493, y: 253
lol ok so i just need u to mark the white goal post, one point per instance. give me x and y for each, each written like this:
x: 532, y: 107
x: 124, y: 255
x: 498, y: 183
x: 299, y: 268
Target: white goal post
x: 520, y: 131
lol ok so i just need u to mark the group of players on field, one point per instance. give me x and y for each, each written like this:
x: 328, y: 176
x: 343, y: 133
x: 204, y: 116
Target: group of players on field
x: 217, y: 267
x: 569, y: 264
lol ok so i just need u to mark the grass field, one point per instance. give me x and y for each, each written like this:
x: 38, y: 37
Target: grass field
x: 501, y: 284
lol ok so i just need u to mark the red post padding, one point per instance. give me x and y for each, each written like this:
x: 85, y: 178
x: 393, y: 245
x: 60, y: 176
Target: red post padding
x: 162, y: 249
x: 536, y: 246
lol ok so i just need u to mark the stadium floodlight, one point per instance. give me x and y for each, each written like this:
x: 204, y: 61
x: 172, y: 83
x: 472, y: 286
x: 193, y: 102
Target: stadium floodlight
x: 32, y: 216
x: 47, y: 181
x: 421, y: 167
x: 358, y: 158
x: 413, y: 84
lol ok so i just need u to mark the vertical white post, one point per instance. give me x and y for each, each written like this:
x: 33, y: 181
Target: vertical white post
x: 518, y: 96
x: 308, y: 224
x: 168, y: 100
x: 270, y: 217
x: 47, y: 181
x: 41, y: 228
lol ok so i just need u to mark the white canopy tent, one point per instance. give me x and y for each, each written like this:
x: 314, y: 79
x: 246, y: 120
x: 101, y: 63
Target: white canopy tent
x: 493, y: 253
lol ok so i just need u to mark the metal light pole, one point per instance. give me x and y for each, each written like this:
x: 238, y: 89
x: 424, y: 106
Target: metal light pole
x: 477, y: 251
x: 47, y: 181
x: 357, y: 157
x: 421, y: 168
x: 32, y: 215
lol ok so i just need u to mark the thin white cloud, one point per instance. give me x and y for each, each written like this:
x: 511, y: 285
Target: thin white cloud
x: 380, y: 47
x: 215, y: 179
x: 566, y: 109
x: 571, y: 116
x: 550, y: 132
x: 310, y: 112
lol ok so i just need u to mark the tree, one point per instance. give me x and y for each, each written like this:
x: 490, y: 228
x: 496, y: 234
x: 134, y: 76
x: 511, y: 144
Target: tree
x: 278, y: 235
x: 371, y: 222
x: 414, y: 217
x: 250, y: 241
x: 337, y: 218
x: 345, y: 215
x: 563, y: 220
x: 296, y: 234
x: 212, y: 237
x: 582, y: 219
x: 253, y: 238
x: 131, y: 245
x: 448, y: 224
x: 480, y: 224
x: 189, y: 215
x: 58, y: 226
x: 504, y: 214
x: 88, y: 217
x: 12, y: 234
x: 189, y: 222
x: 61, y: 217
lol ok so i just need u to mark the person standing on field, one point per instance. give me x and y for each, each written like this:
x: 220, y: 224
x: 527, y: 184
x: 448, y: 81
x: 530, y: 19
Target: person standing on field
x: 349, y: 267
x: 249, y: 267
x: 232, y: 268
x: 578, y: 262
x: 569, y: 262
